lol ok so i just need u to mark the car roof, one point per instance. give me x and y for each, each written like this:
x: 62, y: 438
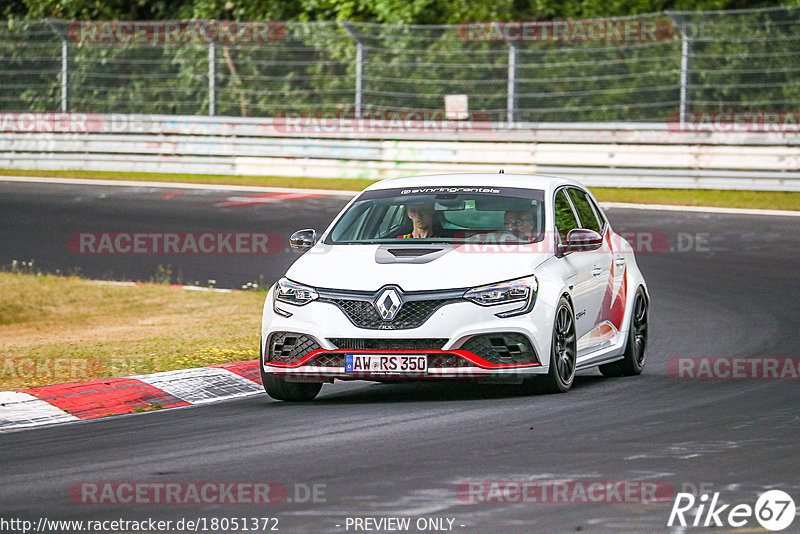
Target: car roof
x: 525, y: 181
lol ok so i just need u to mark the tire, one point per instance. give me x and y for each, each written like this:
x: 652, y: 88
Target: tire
x: 280, y: 389
x: 634, y: 359
x: 563, y: 353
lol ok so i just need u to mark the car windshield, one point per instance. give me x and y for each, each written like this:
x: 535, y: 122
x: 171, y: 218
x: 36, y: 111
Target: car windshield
x: 451, y: 214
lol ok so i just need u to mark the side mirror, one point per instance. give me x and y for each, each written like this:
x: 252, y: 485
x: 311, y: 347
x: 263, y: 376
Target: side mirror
x: 303, y: 239
x: 581, y: 240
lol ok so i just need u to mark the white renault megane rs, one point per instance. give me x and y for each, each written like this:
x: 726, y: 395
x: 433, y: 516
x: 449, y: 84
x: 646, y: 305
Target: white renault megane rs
x: 488, y: 277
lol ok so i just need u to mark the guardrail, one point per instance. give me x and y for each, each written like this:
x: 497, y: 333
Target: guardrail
x: 599, y: 154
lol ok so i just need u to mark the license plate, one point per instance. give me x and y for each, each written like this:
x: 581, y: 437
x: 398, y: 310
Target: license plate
x: 386, y: 363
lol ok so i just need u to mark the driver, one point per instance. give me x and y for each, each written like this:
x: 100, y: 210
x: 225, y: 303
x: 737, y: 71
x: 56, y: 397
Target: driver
x: 422, y: 218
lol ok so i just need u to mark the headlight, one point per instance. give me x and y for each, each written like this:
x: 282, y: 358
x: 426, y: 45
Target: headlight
x: 522, y: 290
x: 294, y: 293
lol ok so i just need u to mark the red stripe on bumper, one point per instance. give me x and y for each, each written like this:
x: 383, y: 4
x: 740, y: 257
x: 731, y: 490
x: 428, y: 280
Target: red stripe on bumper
x: 465, y: 354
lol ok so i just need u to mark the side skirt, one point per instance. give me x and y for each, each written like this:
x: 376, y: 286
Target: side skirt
x: 611, y: 353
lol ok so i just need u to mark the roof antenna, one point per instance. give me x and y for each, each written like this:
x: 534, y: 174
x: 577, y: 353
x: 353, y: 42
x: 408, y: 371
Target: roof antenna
x: 501, y: 171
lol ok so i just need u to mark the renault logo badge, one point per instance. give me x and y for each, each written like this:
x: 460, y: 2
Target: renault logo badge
x: 388, y: 304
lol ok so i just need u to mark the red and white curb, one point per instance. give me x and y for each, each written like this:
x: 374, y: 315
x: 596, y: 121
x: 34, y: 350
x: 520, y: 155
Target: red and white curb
x: 62, y: 403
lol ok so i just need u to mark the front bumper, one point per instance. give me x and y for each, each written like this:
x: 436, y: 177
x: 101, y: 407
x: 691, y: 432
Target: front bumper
x: 454, y: 338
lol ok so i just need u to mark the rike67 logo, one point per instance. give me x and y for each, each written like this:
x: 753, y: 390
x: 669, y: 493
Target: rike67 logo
x: 774, y: 511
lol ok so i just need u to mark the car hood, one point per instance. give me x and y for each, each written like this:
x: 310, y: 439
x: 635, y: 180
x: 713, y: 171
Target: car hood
x: 412, y: 267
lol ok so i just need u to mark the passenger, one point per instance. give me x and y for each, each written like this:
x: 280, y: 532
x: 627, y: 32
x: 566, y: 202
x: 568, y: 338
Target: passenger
x: 520, y: 222
x: 422, y: 217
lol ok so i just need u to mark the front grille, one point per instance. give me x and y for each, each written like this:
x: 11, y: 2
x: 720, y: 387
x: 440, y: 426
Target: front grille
x: 388, y: 344
x: 446, y: 360
x: 504, y: 348
x: 327, y: 360
x: 287, y: 347
x: 412, y: 314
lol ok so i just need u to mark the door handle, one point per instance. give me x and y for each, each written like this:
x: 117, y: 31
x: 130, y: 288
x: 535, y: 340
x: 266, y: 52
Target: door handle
x: 619, y: 261
x: 597, y: 271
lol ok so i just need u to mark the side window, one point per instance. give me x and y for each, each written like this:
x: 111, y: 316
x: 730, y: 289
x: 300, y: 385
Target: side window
x: 585, y: 212
x: 600, y: 216
x: 391, y: 219
x: 351, y: 225
x: 565, y: 218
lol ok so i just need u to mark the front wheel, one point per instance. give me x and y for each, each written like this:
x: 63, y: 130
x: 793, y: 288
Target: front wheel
x: 563, y: 352
x: 280, y: 389
x: 633, y: 362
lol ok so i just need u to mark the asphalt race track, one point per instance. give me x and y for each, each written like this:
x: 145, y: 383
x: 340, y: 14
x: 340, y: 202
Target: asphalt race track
x: 38, y: 220
x: 403, y: 450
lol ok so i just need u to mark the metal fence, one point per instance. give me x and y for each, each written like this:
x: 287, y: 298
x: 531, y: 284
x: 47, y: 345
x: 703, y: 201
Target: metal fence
x: 742, y: 60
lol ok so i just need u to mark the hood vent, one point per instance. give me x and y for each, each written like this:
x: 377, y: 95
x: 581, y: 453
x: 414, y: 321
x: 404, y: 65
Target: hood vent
x: 412, y: 252
x: 409, y: 253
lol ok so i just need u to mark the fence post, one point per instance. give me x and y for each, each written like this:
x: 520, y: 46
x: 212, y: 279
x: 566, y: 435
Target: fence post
x: 686, y: 52
x: 511, y: 104
x: 64, y: 74
x: 685, y: 66
x: 64, y: 65
x: 212, y: 89
x: 359, y: 66
x: 359, y: 77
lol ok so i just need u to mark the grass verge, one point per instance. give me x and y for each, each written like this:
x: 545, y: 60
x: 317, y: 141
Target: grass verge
x: 343, y: 184
x: 776, y: 200
x: 722, y: 198
x: 55, y: 329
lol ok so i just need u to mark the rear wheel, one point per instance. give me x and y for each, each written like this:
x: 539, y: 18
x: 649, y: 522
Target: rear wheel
x: 563, y: 352
x: 280, y: 389
x: 633, y: 362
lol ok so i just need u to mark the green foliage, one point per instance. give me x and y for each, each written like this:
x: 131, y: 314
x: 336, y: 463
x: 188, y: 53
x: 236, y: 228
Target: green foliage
x: 384, y: 11
x: 105, y: 10
x: 739, y: 60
